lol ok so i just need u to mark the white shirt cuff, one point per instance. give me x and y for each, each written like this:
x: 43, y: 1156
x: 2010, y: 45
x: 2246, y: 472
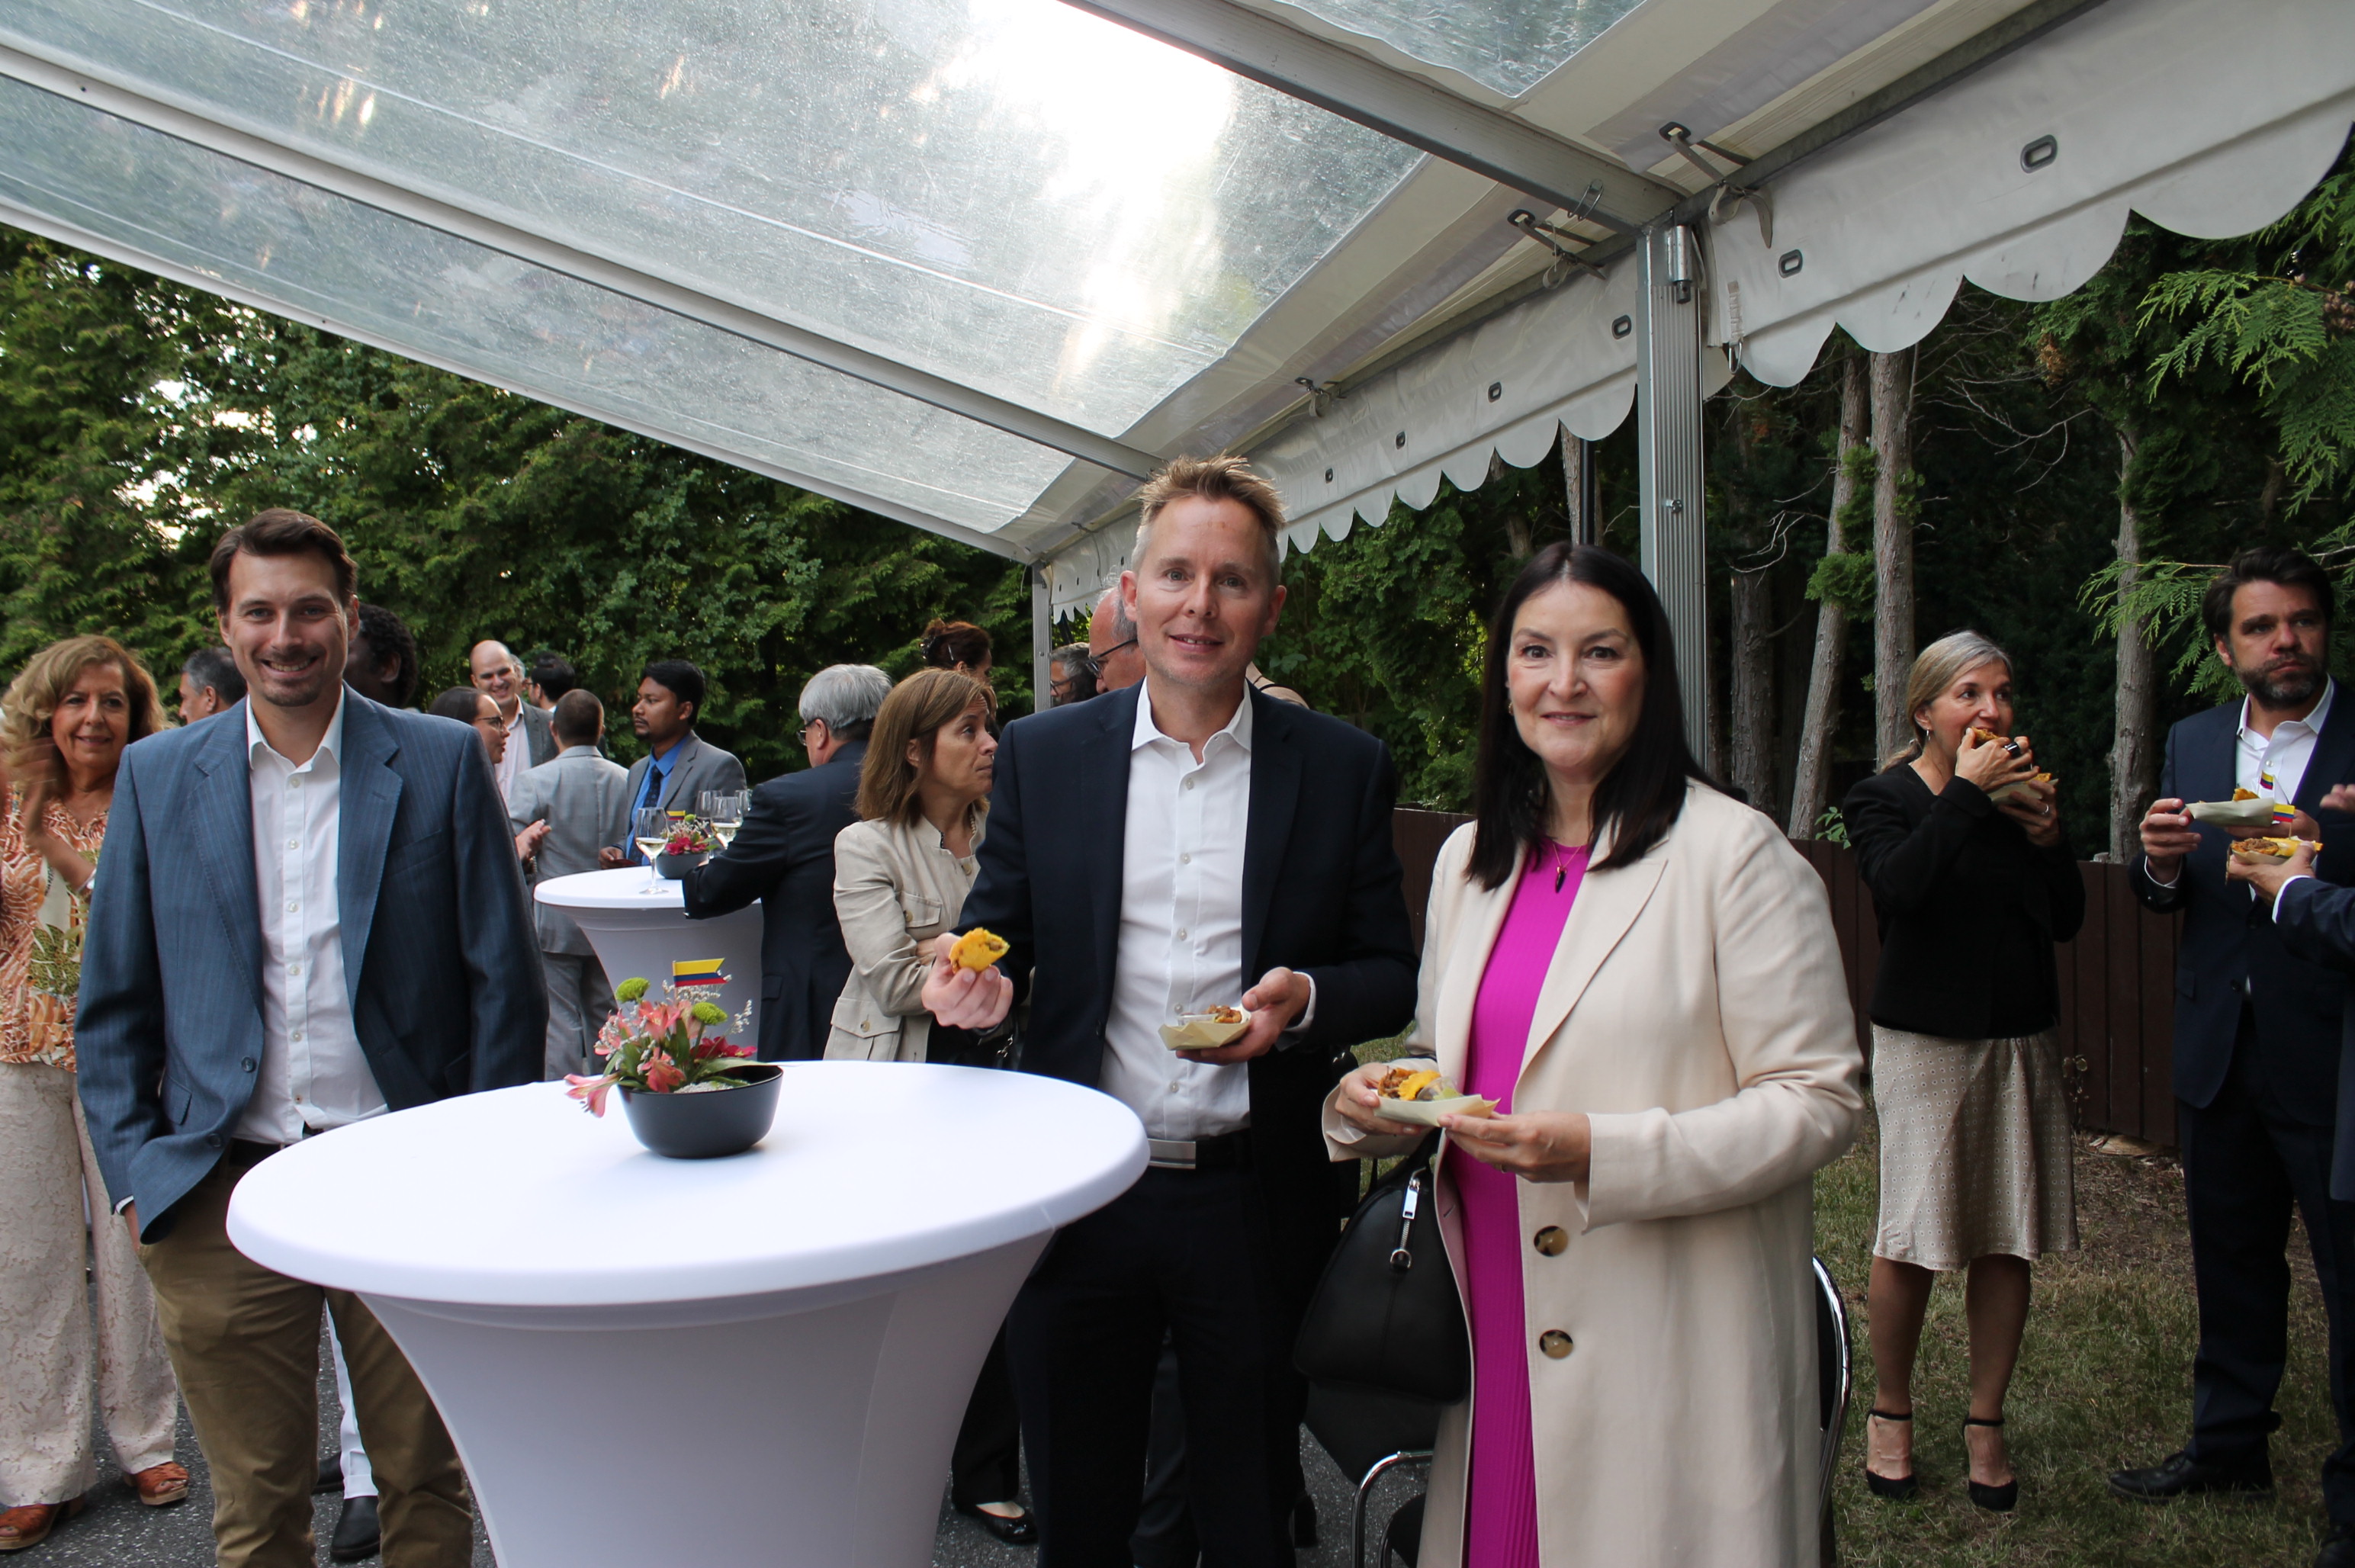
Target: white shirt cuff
x: 124, y: 1203
x: 2285, y: 887
x: 1307, y: 1014
x: 2164, y: 882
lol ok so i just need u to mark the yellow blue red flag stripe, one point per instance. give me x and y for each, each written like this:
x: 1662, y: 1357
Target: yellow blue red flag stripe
x: 697, y: 972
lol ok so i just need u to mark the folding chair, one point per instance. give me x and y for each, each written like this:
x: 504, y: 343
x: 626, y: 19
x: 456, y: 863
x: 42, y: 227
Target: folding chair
x: 1369, y: 1435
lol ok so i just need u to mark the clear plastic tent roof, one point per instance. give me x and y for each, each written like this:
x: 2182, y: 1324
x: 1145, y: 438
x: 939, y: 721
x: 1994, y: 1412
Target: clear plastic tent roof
x: 979, y: 264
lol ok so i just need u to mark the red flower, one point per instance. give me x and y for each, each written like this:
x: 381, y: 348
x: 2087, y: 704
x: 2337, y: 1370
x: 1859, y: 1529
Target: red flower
x: 663, y: 1074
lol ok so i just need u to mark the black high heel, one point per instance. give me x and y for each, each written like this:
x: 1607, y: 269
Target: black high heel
x: 1893, y: 1488
x: 1994, y: 1499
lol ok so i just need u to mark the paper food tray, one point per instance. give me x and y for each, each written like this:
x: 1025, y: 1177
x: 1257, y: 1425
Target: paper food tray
x: 1426, y: 1113
x: 1203, y: 1033
x: 2258, y: 812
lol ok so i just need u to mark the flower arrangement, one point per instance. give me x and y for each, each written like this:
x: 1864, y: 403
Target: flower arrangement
x: 690, y: 835
x: 661, y: 1048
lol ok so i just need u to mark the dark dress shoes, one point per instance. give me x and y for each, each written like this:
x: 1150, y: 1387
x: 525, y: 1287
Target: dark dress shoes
x: 1020, y: 1529
x: 2180, y: 1476
x: 2339, y: 1549
x: 357, y: 1534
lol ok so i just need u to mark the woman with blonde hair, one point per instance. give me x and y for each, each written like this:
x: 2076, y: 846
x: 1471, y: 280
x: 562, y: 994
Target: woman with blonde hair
x: 900, y: 876
x: 1642, y: 974
x: 1974, y: 882
x: 65, y: 722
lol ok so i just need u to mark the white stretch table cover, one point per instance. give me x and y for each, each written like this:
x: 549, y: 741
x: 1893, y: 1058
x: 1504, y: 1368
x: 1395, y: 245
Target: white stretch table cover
x: 760, y: 1360
x: 642, y: 931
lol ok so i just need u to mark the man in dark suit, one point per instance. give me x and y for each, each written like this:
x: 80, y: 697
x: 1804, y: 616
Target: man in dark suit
x: 1183, y: 844
x: 784, y: 856
x: 2256, y: 1037
x: 308, y: 913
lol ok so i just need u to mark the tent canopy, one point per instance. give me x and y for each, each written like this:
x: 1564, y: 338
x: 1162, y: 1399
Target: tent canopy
x: 979, y: 264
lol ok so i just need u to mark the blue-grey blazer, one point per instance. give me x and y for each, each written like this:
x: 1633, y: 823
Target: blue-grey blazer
x: 439, y: 955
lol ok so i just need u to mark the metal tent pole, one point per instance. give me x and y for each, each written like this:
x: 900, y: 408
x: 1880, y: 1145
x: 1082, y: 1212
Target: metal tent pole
x: 1669, y: 456
x: 1042, y: 678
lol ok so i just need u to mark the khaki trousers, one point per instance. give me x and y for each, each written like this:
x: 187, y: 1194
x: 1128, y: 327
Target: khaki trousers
x: 245, y: 1341
x: 48, y: 1172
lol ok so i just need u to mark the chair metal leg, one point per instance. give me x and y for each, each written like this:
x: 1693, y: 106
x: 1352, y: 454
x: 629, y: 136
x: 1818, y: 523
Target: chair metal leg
x: 1836, y: 1427
x: 1365, y: 1496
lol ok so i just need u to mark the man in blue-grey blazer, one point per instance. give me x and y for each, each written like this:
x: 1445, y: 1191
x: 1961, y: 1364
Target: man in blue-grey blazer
x: 308, y: 912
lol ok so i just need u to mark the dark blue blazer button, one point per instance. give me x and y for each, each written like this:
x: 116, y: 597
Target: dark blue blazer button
x: 246, y: 1065
x: 212, y: 1140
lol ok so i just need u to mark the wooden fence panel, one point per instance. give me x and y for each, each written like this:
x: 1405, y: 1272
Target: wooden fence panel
x: 2117, y: 978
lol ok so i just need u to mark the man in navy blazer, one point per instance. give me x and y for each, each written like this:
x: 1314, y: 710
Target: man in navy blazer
x: 784, y: 856
x: 308, y: 912
x: 1182, y: 845
x: 2257, y: 1030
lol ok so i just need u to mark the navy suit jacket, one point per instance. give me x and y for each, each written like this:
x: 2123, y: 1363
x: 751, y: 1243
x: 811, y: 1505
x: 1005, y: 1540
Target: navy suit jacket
x: 784, y: 856
x: 438, y: 953
x: 1321, y: 894
x: 2230, y: 941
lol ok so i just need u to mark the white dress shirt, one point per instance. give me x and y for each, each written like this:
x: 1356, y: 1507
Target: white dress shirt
x: 313, y: 1074
x: 1181, y: 925
x: 2275, y: 767
x: 516, y: 761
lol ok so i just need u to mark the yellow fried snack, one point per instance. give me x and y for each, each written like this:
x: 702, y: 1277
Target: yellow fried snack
x: 977, y: 949
x: 2239, y: 794
x: 2279, y: 848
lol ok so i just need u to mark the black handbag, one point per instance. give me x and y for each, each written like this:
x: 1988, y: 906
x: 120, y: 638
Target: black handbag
x: 1387, y: 1315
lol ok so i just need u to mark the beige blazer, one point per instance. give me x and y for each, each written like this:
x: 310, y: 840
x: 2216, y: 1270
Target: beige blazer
x: 896, y: 887
x: 1696, y: 1011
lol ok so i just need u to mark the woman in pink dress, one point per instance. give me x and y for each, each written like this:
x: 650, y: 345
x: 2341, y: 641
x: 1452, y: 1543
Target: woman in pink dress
x: 1641, y: 973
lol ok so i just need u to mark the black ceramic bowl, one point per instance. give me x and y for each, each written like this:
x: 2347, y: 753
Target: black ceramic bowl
x: 709, y: 1124
x: 677, y: 866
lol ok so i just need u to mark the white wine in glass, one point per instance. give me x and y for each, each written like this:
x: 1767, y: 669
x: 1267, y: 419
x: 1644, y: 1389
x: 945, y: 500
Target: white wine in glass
x: 728, y: 808
x: 650, y: 829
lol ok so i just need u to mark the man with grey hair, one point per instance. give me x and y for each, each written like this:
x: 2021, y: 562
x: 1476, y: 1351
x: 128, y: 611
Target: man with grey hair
x: 498, y: 675
x: 1111, y: 645
x: 784, y: 856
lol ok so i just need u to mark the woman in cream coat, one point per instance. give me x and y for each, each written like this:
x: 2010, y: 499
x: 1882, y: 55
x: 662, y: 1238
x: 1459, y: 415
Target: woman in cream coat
x: 1670, y: 1035
x: 900, y: 873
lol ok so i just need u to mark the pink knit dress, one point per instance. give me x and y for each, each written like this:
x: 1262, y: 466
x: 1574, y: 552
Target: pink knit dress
x: 1501, y: 1514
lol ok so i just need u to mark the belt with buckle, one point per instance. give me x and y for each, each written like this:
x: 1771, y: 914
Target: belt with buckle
x: 1228, y: 1151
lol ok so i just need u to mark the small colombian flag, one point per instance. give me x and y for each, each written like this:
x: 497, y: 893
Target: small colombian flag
x: 2283, y: 815
x: 697, y: 972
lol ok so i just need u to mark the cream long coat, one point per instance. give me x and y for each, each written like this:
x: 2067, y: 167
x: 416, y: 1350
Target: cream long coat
x: 1696, y: 1011
x: 896, y: 887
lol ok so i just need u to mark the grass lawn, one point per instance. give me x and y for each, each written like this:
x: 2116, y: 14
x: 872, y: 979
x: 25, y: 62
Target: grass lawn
x: 2105, y: 1382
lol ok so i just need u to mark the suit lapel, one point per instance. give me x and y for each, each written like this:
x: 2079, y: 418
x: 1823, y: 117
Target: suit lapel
x: 222, y: 823
x: 681, y: 761
x: 1607, y: 905
x: 2333, y: 755
x: 1274, y: 793
x: 1103, y: 796
x: 370, y: 794
x: 2213, y: 770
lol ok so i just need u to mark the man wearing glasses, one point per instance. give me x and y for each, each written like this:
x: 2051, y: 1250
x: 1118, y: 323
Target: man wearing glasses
x: 1111, y: 645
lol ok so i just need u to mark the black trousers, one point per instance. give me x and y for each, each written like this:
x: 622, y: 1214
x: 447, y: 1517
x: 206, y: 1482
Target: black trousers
x: 1184, y: 1252
x: 985, y: 1465
x: 2246, y: 1163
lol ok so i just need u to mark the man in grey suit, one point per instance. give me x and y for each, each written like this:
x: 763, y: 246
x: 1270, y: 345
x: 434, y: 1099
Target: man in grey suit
x: 679, y: 764
x: 308, y: 913
x: 498, y: 675
x: 563, y: 812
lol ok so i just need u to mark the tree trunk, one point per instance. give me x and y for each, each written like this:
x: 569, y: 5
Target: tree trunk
x: 1811, y: 781
x: 1575, y: 459
x: 1752, y: 742
x: 2134, y: 755
x: 1893, y: 550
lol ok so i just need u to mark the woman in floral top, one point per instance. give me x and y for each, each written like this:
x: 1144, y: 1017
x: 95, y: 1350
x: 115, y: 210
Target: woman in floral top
x: 65, y: 722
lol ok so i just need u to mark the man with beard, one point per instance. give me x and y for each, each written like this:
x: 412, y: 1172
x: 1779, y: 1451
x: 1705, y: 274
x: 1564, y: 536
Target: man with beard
x: 2256, y: 1037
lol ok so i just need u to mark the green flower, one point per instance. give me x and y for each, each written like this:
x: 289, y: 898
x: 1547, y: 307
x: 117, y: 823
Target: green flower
x: 631, y: 989
x: 709, y: 1013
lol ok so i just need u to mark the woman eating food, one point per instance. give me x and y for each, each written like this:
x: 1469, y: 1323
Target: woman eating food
x: 1960, y: 841
x: 1640, y: 972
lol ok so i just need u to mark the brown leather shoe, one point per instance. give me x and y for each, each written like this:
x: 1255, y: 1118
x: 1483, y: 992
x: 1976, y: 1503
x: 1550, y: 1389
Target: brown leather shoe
x: 161, y: 1486
x: 30, y: 1525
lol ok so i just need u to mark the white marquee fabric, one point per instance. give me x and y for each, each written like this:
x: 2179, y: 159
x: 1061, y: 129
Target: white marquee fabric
x: 977, y: 264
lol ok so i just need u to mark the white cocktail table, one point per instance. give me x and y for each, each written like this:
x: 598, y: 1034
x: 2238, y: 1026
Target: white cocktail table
x: 755, y: 1361
x: 639, y: 930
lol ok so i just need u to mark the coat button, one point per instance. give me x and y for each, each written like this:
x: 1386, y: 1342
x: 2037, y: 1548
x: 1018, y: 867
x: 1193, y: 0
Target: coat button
x: 212, y: 1140
x: 246, y: 1065
x: 1554, y: 1343
x: 1551, y: 1241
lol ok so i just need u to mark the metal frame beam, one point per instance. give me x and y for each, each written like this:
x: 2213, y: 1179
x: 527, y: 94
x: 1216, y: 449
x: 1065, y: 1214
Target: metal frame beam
x: 864, y: 365
x: 1673, y: 525
x: 1401, y: 105
x: 64, y: 233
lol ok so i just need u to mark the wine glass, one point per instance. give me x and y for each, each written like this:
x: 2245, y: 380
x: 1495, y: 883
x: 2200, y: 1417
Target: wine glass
x: 650, y: 828
x: 724, y: 809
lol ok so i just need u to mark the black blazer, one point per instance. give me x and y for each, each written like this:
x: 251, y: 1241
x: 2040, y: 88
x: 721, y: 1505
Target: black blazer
x: 1969, y: 909
x: 2230, y: 944
x: 1321, y: 894
x: 784, y: 856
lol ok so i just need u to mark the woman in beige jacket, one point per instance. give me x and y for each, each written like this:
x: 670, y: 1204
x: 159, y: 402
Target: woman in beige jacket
x: 1668, y: 1034
x: 900, y: 876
